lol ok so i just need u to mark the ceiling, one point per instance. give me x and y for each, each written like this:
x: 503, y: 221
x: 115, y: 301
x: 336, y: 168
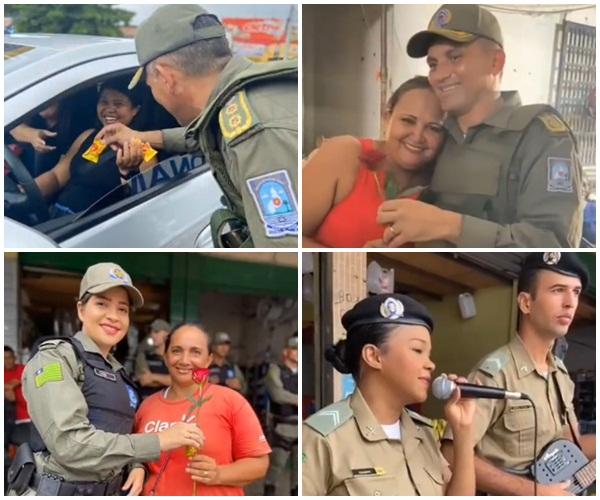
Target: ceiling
x: 434, y: 275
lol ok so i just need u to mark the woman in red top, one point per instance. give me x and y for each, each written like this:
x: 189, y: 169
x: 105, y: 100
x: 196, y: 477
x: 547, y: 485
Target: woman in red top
x: 235, y: 451
x: 346, y: 180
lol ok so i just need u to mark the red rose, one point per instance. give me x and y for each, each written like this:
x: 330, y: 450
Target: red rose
x: 200, y: 375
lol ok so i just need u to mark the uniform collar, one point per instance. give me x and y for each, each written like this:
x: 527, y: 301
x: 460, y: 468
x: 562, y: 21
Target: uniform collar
x: 510, y: 101
x: 234, y: 67
x: 412, y: 434
x: 524, y: 365
x: 90, y: 346
x: 368, y: 425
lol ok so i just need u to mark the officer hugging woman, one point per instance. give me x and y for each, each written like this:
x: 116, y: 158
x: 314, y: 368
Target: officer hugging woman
x: 461, y: 162
x: 514, y: 426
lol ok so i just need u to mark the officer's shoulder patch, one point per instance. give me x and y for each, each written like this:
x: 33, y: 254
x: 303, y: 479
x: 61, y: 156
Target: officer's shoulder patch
x: 553, y: 123
x: 419, y: 419
x: 330, y: 418
x: 236, y: 117
x: 494, y: 363
x: 560, y: 175
x: 51, y: 372
x: 275, y: 200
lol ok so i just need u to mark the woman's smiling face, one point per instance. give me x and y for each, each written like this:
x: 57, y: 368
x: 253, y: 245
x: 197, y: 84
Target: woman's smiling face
x: 115, y: 107
x: 414, y: 132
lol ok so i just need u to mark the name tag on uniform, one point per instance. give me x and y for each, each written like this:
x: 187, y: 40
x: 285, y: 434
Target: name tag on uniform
x: 105, y: 375
x: 369, y: 471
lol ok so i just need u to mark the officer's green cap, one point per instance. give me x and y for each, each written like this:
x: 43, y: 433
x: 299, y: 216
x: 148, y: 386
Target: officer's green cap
x: 391, y: 308
x: 565, y: 263
x: 106, y: 275
x: 461, y: 23
x: 169, y: 28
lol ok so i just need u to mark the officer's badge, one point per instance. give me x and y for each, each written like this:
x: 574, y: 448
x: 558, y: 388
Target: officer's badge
x: 117, y: 273
x: 391, y: 308
x: 235, y: 117
x: 560, y: 177
x: 442, y: 18
x: 276, y: 203
x: 553, y: 123
x: 551, y: 258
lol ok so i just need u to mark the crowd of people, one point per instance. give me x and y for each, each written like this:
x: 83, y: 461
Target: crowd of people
x: 79, y: 424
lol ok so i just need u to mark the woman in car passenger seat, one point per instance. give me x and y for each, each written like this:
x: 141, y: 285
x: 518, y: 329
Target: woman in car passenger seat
x: 79, y: 182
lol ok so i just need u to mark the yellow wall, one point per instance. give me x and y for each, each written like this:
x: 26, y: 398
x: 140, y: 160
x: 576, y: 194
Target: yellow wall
x: 458, y: 344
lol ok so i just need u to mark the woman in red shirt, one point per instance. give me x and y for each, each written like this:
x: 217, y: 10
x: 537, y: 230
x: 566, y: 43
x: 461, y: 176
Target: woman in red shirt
x: 235, y: 451
x: 346, y: 180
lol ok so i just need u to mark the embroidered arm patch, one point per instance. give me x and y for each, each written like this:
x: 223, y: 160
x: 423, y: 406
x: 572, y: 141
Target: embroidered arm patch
x: 276, y: 203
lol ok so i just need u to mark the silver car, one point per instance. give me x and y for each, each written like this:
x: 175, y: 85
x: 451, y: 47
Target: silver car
x: 168, y: 208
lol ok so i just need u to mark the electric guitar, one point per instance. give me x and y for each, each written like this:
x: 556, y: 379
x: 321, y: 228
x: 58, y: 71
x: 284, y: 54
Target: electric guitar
x: 561, y: 461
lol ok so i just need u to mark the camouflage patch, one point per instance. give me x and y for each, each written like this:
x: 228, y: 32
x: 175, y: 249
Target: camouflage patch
x: 235, y: 118
x: 553, y: 123
x: 50, y: 373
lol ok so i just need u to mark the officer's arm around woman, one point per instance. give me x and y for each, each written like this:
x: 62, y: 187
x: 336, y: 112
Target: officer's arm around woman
x: 370, y: 443
x: 82, y: 403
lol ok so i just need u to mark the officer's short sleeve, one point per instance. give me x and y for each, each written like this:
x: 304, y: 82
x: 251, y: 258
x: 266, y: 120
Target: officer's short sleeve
x: 174, y: 140
x: 263, y: 161
x: 549, y: 205
x: 316, y: 463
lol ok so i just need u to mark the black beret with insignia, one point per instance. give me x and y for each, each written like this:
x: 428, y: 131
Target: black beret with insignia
x: 390, y: 308
x: 565, y: 263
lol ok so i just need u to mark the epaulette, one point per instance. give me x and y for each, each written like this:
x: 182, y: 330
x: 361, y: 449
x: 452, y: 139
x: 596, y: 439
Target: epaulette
x: 419, y: 419
x: 236, y: 117
x: 493, y: 363
x: 553, y: 123
x: 330, y: 418
x: 522, y: 116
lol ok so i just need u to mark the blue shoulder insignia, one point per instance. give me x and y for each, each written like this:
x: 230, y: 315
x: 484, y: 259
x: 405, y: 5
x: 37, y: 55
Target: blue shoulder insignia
x: 330, y: 418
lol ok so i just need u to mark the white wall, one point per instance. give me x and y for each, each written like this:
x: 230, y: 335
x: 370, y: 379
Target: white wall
x: 341, y: 54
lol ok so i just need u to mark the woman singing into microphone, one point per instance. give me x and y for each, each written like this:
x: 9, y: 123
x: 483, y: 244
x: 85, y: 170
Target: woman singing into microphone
x: 370, y: 444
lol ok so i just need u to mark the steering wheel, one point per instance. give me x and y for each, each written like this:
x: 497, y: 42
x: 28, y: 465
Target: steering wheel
x: 34, y: 203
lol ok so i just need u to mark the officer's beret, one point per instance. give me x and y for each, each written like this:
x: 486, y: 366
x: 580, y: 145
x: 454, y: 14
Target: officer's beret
x: 390, y: 308
x: 565, y: 263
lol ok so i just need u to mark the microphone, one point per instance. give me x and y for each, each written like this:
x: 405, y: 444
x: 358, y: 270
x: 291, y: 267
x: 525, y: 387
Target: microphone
x: 442, y: 388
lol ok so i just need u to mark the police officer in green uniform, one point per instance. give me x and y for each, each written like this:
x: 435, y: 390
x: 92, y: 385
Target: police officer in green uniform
x: 223, y: 371
x: 241, y: 115
x: 548, y: 293
x: 370, y: 443
x: 508, y: 175
x: 282, y: 385
x: 82, y: 403
x: 150, y: 370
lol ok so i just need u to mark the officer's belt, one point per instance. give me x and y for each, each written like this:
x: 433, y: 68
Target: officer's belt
x: 68, y: 488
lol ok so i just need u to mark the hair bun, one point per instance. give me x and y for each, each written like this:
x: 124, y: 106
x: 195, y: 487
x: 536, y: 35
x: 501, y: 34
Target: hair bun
x: 336, y: 355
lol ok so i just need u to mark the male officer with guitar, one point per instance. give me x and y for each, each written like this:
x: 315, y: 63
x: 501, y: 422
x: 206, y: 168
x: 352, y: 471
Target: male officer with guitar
x: 549, y: 287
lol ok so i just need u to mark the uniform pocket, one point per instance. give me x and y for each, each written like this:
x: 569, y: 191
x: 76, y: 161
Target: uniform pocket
x: 520, y: 426
x: 373, y: 486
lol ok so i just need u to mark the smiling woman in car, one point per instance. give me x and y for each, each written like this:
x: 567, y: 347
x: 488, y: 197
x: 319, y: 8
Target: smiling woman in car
x: 87, y: 173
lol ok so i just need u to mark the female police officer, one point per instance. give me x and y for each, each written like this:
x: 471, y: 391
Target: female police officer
x: 82, y: 403
x: 369, y: 443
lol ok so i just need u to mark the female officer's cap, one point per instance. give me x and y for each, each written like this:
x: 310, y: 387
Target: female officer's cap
x: 389, y: 308
x: 564, y: 263
x: 106, y: 275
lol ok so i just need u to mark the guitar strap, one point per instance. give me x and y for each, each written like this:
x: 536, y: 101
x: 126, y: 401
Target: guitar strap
x: 565, y: 411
